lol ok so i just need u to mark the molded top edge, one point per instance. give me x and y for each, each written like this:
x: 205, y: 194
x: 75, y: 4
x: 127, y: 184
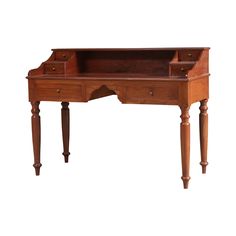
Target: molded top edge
x: 129, y: 49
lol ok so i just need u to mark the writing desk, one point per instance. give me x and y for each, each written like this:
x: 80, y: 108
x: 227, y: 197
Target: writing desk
x: 169, y: 76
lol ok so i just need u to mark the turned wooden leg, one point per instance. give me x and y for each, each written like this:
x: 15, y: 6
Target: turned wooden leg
x: 35, y: 120
x: 65, y: 121
x: 203, y: 126
x: 185, y: 144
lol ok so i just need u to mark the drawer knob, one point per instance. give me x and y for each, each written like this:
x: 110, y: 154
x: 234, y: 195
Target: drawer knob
x: 190, y: 54
x: 64, y: 56
x: 58, y: 90
x: 182, y: 69
x: 53, y: 68
x: 150, y: 92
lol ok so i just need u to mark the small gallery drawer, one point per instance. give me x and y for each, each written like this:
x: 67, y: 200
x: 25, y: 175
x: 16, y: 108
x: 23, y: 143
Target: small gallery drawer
x: 56, y: 91
x: 165, y: 94
x: 180, y: 69
x: 189, y: 55
x: 54, y: 68
x: 62, y: 55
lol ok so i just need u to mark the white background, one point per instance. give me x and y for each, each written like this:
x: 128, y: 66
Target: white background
x: 123, y: 177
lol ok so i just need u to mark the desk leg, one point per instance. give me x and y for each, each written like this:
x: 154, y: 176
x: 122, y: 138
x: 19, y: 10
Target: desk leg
x: 185, y: 144
x: 203, y: 125
x: 35, y: 120
x: 65, y: 122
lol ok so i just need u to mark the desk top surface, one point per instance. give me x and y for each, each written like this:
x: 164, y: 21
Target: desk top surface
x: 129, y: 49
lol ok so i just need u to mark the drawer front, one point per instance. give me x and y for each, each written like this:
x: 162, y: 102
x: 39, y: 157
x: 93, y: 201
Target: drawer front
x: 62, y: 55
x: 180, y: 69
x: 54, y: 68
x: 163, y: 94
x: 189, y: 55
x: 56, y: 91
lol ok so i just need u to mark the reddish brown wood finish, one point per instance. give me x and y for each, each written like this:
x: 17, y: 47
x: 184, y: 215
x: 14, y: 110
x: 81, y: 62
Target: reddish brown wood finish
x: 185, y: 144
x: 203, y: 125
x: 36, y: 135
x: 65, y: 122
x: 170, y: 76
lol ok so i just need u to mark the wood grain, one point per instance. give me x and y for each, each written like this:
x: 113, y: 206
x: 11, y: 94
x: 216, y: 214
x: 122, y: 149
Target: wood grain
x: 185, y: 144
x: 65, y: 123
x: 36, y: 135
x: 203, y: 129
x: 168, y: 76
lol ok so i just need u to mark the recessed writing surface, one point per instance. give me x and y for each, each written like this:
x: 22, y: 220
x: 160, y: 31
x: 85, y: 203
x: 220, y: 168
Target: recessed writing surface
x: 125, y: 62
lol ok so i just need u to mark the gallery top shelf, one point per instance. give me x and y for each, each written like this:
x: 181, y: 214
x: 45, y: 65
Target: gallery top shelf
x: 184, y: 63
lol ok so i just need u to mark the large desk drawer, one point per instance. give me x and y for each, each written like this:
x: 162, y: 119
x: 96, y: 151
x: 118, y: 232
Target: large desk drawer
x: 55, y: 91
x: 165, y: 94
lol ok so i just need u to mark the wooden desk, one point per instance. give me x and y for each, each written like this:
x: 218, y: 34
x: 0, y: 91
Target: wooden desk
x: 170, y: 76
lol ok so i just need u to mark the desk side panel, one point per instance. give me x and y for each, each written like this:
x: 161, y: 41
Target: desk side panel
x: 199, y: 89
x: 202, y: 65
x: 40, y: 69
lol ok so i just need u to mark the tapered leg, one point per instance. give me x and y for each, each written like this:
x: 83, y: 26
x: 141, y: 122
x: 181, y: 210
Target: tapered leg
x: 203, y: 126
x: 35, y: 120
x: 65, y: 121
x: 185, y: 144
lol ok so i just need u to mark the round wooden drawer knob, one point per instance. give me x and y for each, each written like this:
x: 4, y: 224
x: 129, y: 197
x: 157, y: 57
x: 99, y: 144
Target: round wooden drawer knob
x: 190, y: 54
x: 58, y: 90
x: 53, y: 68
x: 151, y: 93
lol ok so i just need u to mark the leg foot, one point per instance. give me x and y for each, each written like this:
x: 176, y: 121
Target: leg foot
x: 185, y: 181
x: 36, y: 135
x: 37, y: 168
x: 66, y: 156
x: 203, y: 128
x: 185, y: 144
x: 204, y: 165
x: 65, y: 122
